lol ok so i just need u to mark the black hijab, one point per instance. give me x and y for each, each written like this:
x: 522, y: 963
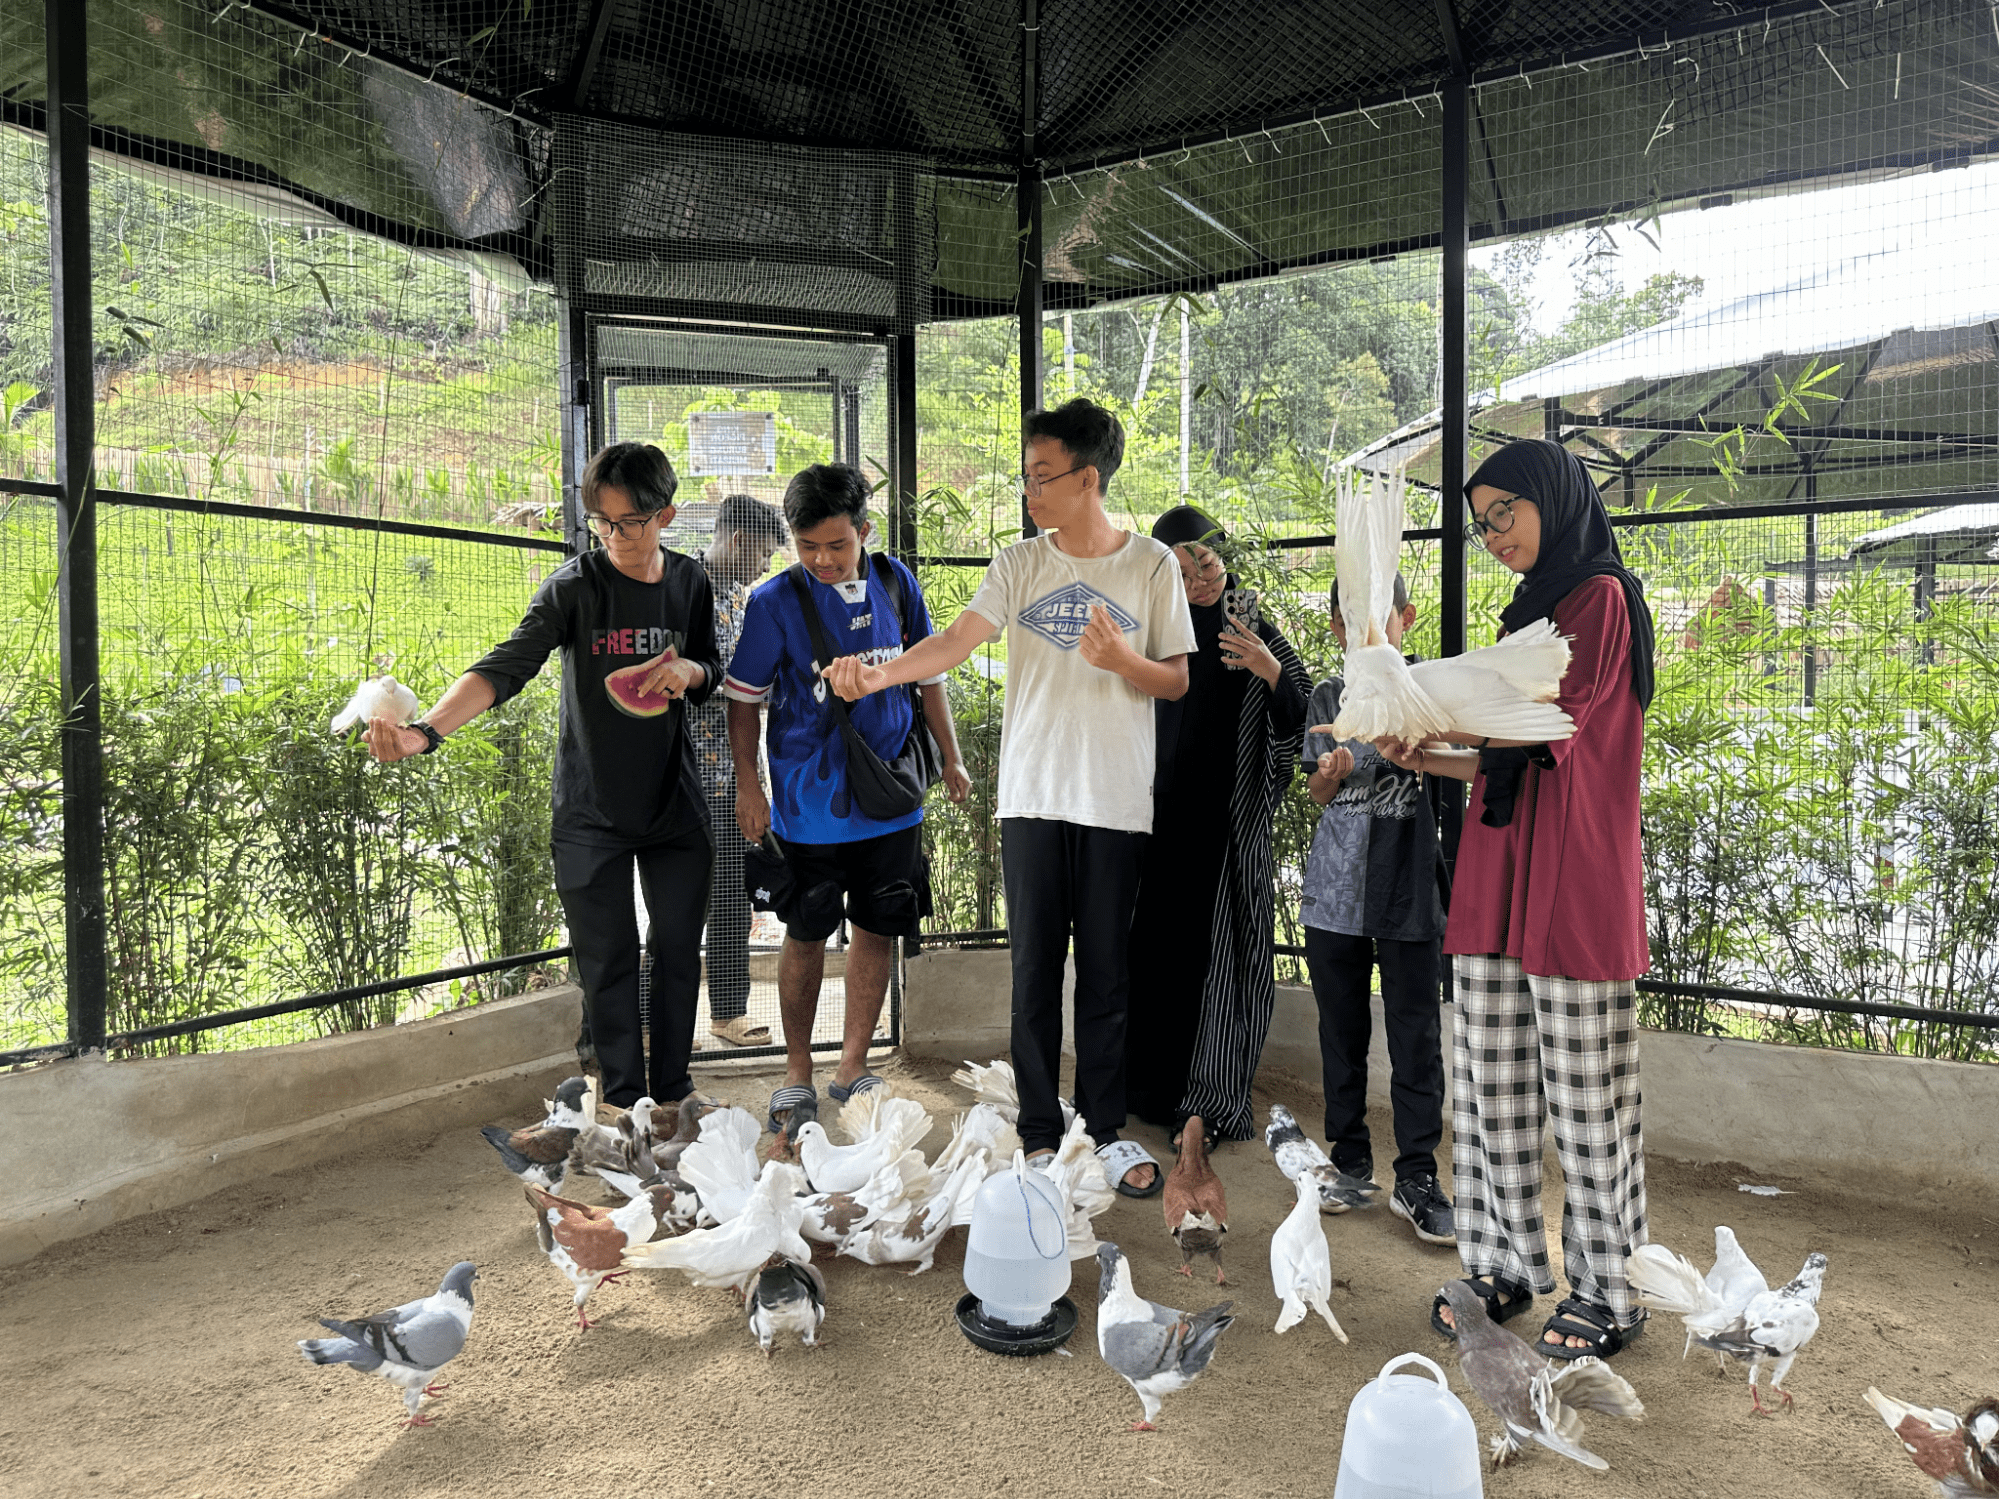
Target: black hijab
x: 1577, y: 544
x: 1205, y: 716
x: 1179, y: 527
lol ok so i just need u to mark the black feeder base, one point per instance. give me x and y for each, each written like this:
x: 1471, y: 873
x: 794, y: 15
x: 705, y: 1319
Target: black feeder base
x: 1051, y: 1333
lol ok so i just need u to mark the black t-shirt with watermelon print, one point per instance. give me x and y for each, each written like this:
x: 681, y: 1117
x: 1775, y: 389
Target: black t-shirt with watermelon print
x: 624, y: 768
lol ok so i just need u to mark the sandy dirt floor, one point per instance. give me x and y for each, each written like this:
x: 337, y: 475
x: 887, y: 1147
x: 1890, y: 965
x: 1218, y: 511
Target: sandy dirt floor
x: 158, y: 1358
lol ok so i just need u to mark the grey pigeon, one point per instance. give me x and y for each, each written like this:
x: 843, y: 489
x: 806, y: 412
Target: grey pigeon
x: 1534, y: 1398
x: 1775, y: 1325
x: 1298, y: 1155
x: 786, y: 1296
x: 1158, y: 1350
x: 406, y: 1345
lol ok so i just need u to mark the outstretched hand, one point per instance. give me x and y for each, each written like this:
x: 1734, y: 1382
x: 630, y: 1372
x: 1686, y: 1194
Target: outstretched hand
x: 854, y: 679
x: 389, y: 742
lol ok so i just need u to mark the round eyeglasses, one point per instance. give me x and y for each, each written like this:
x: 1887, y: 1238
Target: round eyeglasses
x: 1498, y: 519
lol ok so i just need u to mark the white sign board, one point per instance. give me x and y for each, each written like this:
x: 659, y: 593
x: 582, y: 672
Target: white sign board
x: 732, y: 442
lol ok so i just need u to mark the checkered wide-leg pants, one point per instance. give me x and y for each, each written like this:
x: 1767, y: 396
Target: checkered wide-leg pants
x: 1528, y: 1050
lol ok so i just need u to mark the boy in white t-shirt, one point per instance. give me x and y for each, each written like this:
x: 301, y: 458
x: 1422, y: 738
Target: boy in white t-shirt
x: 1099, y: 629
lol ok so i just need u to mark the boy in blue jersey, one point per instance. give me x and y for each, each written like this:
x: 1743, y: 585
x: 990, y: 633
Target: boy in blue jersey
x: 833, y: 848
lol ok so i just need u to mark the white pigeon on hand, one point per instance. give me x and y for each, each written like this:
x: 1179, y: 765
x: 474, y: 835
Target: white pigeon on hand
x: 377, y: 698
x: 1504, y: 691
x: 1535, y: 1399
x: 408, y: 1345
x: 1775, y: 1325
x: 1157, y: 1349
x: 1669, y: 1283
x: 731, y: 1253
x: 722, y: 1163
x: 1301, y: 1263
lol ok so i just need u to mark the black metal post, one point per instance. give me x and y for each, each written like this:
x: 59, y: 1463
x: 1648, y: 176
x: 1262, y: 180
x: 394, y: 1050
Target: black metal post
x: 573, y: 332
x: 76, y: 515
x: 902, y: 445
x: 1455, y: 365
x: 1028, y: 303
x: 1811, y: 590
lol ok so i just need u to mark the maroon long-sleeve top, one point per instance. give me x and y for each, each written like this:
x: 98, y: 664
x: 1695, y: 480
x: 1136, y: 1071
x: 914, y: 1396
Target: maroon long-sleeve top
x: 1561, y: 887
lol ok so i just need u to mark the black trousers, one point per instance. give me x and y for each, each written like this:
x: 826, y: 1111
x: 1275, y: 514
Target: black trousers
x: 728, y: 914
x: 595, y: 884
x: 1342, y: 974
x: 1064, y: 880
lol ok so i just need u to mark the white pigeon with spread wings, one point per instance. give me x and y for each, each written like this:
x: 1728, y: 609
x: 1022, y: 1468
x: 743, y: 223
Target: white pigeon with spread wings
x: 1669, y: 1283
x: 1504, y: 691
x: 915, y: 1234
x: 721, y: 1163
x: 1085, y: 1187
x: 893, y: 1127
x: 994, y: 1084
x: 1776, y: 1325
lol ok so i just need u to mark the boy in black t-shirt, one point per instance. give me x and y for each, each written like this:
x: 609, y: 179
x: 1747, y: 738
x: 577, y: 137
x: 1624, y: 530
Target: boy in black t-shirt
x: 1372, y: 897
x: 635, y: 624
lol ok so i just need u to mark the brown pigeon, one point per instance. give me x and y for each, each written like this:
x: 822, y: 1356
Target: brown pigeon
x: 587, y: 1243
x: 1195, y: 1206
x: 1960, y: 1453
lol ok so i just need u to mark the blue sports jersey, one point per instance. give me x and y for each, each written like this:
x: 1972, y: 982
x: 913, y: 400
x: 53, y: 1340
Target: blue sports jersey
x: 810, y: 799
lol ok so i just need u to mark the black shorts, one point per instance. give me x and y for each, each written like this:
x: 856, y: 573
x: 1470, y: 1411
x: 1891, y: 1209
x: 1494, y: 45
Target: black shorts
x: 881, y: 878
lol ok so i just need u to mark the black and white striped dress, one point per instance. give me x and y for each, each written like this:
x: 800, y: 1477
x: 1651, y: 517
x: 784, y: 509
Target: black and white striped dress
x: 1203, y: 983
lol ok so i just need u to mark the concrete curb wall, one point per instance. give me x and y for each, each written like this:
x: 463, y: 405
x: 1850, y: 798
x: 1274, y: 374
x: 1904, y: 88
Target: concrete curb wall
x: 113, y: 1140
x: 1889, y: 1122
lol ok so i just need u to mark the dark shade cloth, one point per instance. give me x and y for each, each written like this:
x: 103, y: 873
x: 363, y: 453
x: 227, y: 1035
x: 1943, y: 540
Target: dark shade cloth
x: 620, y: 781
x: 1577, y: 544
x: 1560, y: 886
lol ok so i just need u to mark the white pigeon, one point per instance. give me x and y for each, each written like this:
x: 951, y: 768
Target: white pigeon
x: 722, y: 1163
x: 377, y: 698
x: 1774, y: 1326
x: 897, y: 1125
x: 408, y: 1345
x: 980, y: 1128
x: 1085, y: 1187
x: 730, y: 1254
x: 1301, y: 1263
x: 1298, y: 1155
x: 1669, y: 1283
x: 785, y: 1296
x: 573, y: 1107
x: 875, y: 1111
x: 993, y: 1082
x: 1535, y: 1398
x: 915, y: 1236
x: 1504, y: 691
x: 1157, y: 1349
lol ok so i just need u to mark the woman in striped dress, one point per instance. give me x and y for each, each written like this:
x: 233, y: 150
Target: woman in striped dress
x: 1202, y: 978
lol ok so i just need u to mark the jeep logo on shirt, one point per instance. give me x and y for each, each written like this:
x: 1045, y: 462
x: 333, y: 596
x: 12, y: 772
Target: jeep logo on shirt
x: 1059, y: 617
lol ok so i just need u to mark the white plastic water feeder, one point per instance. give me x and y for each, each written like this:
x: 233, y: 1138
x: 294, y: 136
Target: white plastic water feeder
x: 1017, y: 1266
x: 1408, y: 1438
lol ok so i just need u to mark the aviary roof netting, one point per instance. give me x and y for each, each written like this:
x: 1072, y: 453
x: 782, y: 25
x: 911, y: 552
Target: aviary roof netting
x: 774, y: 161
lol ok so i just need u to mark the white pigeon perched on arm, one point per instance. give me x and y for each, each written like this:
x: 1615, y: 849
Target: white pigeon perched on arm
x: 1535, y: 1399
x: 1960, y: 1453
x: 729, y: 1254
x: 1298, y: 1155
x: 1668, y: 1283
x: 1158, y: 1350
x: 1301, y: 1263
x: 1504, y: 691
x: 377, y: 698
x: 408, y: 1345
x: 1774, y: 1325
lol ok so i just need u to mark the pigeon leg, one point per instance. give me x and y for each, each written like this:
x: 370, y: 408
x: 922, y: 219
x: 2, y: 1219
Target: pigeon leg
x: 1186, y: 1270
x: 1219, y: 1281
x: 437, y: 1388
x: 1143, y: 1426
x: 419, y: 1420
x: 583, y: 1322
x: 1782, y: 1392
x: 613, y: 1278
x: 1756, y: 1402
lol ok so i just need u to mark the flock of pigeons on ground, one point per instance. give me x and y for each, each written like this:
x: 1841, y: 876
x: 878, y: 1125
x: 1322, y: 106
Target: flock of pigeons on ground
x: 698, y: 1200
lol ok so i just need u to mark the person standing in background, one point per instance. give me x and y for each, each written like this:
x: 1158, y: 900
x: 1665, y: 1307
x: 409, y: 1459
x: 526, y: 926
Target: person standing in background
x: 747, y: 532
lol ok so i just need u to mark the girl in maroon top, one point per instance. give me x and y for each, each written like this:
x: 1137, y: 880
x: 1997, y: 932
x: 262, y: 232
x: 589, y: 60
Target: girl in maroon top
x: 1547, y: 924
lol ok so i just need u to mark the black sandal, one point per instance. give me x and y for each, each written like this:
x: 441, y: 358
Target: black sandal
x: 1208, y: 1138
x: 1577, y: 1319
x: 1505, y: 1300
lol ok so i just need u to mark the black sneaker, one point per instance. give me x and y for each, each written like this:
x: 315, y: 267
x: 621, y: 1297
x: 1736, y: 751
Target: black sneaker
x: 1423, y: 1204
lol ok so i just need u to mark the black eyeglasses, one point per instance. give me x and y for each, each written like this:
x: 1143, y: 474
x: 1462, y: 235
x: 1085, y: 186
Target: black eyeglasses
x: 629, y: 530
x: 1498, y: 519
x: 1032, y: 486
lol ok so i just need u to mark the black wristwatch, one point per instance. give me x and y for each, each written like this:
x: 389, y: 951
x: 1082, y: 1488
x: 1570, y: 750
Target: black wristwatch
x: 433, y: 739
